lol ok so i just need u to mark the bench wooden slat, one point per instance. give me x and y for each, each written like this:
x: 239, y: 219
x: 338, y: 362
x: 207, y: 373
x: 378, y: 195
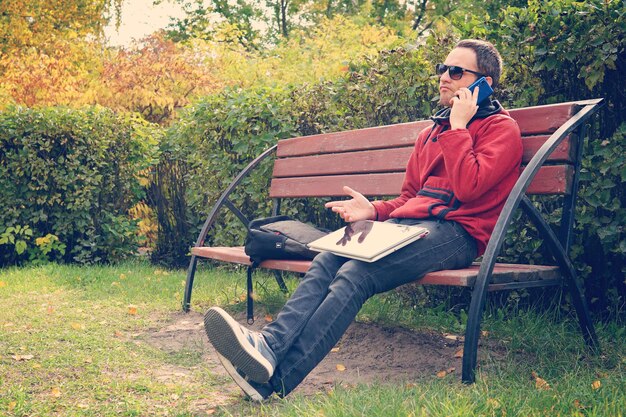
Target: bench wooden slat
x: 387, y: 160
x: 502, y: 274
x: 538, y: 120
x: 391, y: 136
x: 553, y: 179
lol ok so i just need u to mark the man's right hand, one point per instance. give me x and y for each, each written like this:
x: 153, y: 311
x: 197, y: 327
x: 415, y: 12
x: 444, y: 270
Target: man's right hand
x: 355, y: 209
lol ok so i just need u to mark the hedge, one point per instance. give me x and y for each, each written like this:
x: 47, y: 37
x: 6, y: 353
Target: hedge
x: 68, y: 178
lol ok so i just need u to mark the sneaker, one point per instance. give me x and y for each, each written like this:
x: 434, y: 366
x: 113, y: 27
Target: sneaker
x: 254, y: 391
x: 246, y: 350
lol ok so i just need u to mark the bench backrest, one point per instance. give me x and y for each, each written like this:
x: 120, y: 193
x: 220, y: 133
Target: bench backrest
x: 373, y: 160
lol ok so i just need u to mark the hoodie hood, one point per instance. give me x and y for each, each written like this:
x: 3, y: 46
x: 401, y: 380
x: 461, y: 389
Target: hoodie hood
x: 486, y: 109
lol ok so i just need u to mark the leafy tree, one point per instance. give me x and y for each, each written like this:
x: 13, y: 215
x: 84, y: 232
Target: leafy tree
x: 34, y: 23
x: 155, y: 79
x: 34, y: 77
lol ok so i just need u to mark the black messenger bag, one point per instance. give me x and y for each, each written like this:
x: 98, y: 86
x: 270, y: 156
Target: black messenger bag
x: 277, y: 237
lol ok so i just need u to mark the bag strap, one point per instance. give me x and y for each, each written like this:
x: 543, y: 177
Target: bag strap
x: 249, y: 299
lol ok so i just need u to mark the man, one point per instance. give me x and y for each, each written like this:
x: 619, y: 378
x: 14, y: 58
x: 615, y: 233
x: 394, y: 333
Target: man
x: 457, y: 180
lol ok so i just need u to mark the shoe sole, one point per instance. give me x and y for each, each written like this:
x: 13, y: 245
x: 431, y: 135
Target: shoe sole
x: 223, y: 333
x: 247, y: 389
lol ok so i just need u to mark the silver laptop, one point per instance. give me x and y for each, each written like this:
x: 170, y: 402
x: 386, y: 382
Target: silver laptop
x: 368, y: 240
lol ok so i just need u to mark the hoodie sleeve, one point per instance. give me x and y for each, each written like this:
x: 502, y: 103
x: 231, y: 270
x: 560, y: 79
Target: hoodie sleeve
x: 475, y: 166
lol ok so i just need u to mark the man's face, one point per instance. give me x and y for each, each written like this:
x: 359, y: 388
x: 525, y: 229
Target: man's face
x: 460, y: 57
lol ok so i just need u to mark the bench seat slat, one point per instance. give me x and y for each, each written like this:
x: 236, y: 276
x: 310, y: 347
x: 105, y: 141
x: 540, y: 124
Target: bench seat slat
x: 553, y: 179
x: 386, y: 160
x: 502, y: 274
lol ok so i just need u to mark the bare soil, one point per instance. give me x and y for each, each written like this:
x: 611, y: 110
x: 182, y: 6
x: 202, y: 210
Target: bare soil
x: 367, y: 353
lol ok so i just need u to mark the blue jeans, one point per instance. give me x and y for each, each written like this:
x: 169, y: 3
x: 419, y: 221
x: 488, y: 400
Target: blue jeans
x: 333, y: 290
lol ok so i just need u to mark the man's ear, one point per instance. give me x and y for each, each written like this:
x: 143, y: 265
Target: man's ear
x: 489, y: 81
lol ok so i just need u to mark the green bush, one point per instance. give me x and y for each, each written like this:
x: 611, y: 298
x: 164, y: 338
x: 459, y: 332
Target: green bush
x: 68, y: 178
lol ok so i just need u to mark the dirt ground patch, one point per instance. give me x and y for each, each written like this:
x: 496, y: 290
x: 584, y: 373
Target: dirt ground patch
x: 368, y: 353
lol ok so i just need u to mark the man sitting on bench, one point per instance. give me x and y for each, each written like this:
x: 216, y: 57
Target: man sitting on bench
x: 457, y: 180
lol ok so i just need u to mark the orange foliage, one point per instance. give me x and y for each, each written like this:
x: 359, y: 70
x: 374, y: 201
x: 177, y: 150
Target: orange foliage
x: 34, y: 77
x: 154, y: 79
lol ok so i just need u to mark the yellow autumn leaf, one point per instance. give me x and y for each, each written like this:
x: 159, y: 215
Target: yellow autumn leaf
x: 340, y: 367
x: 132, y: 310
x: 269, y: 318
x: 441, y: 374
x: 596, y: 385
x: 3, y: 284
x: 122, y: 276
x: 459, y: 353
x: 540, y: 383
x: 493, y: 403
x: 77, y: 326
x: 21, y: 358
x: 55, y: 392
x: 12, y: 405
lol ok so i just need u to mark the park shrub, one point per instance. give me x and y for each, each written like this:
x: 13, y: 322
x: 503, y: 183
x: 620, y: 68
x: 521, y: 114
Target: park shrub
x: 210, y: 144
x: 68, y: 179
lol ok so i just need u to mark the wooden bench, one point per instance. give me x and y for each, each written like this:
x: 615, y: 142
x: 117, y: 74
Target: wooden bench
x: 373, y: 161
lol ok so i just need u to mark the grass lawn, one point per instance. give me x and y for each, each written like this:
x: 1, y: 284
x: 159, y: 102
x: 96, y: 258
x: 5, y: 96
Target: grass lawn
x: 72, y: 343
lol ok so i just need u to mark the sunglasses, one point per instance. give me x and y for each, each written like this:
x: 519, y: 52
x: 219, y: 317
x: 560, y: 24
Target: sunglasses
x: 456, y: 73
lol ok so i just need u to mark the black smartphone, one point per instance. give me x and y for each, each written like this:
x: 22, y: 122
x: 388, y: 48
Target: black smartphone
x: 484, y: 89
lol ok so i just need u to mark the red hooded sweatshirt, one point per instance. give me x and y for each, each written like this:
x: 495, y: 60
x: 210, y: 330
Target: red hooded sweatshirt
x: 464, y: 175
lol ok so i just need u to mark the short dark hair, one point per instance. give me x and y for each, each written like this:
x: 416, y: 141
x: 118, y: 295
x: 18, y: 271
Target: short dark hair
x: 488, y: 58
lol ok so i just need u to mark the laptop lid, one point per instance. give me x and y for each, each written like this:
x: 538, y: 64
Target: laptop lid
x: 368, y: 240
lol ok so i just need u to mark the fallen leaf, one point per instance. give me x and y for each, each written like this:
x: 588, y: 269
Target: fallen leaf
x: 578, y: 404
x: 334, y: 350
x: 77, y: 326
x: 596, y: 385
x: 493, y: 403
x: 459, y: 353
x: 115, y: 284
x: 484, y: 333
x: 55, y: 392
x: 132, y: 310
x: 269, y: 318
x: 122, y: 276
x: 82, y: 406
x: 540, y: 383
x: 451, y: 369
x: 451, y: 336
x: 118, y: 333
x: 340, y: 367
x: 441, y: 374
x: 3, y: 284
x: 50, y: 310
x: 88, y: 360
x: 21, y: 358
x: 12, y: 405
x: 36, y: 365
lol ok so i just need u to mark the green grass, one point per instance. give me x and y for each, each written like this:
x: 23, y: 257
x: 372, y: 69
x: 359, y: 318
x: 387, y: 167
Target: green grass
x: 72, y: 344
